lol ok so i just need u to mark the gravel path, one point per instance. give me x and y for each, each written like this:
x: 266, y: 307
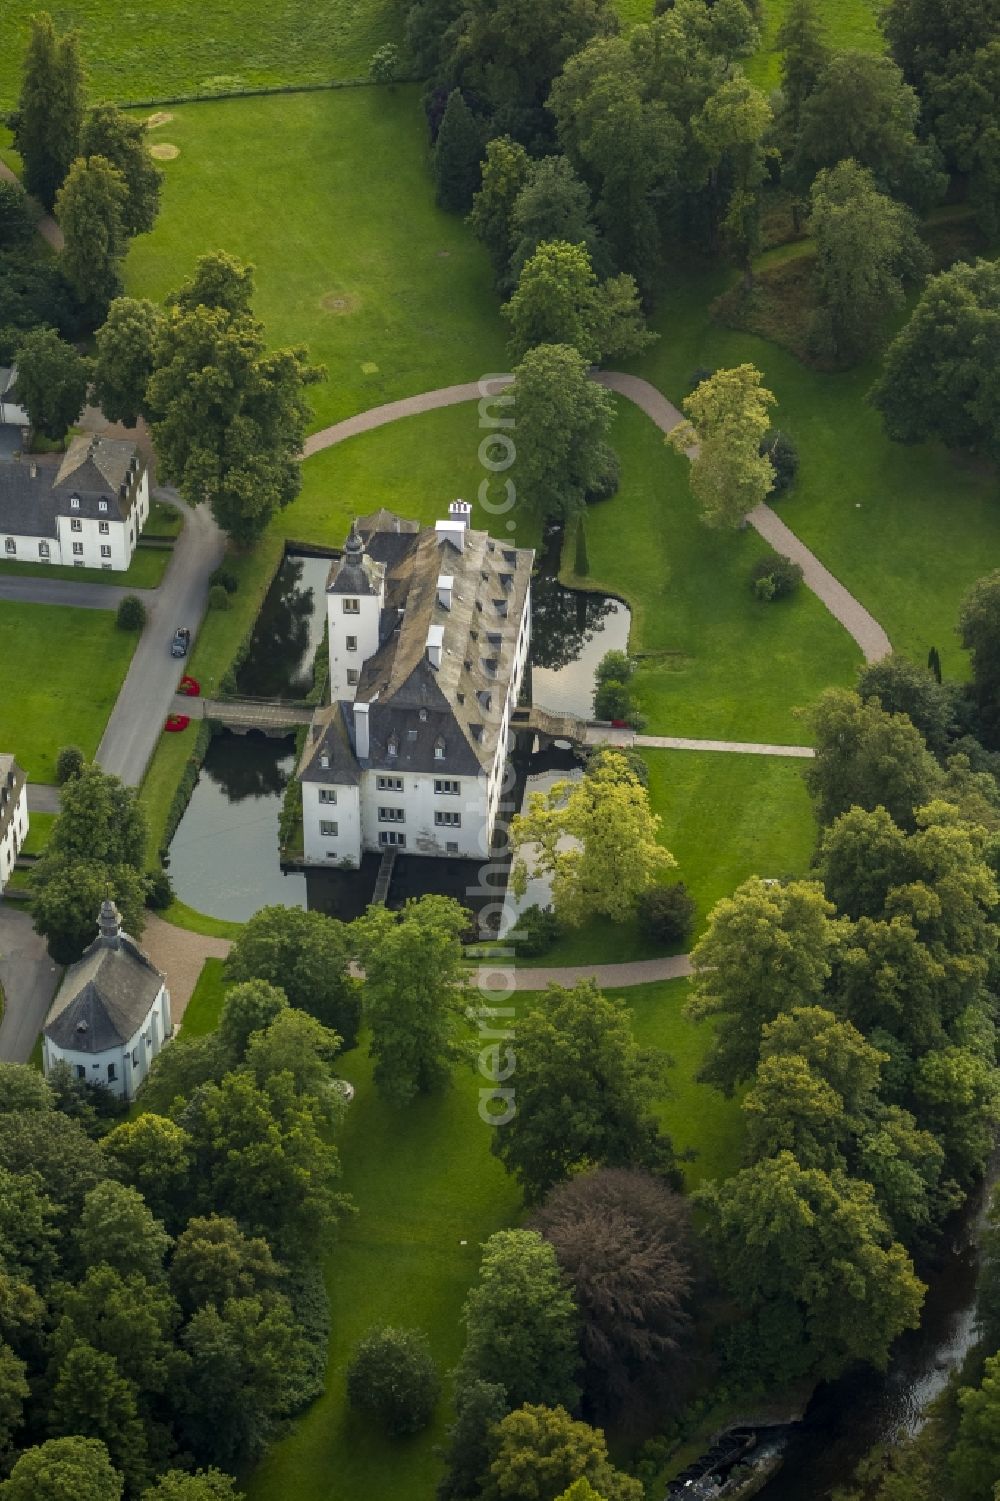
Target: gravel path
x: 731, y: 747
x: 180, y: 954
x: 46, y: 225
x: 851, y: 614
x: 29, y: 979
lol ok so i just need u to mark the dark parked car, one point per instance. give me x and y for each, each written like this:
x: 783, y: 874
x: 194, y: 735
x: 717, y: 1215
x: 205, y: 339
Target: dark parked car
x: 182, y: 640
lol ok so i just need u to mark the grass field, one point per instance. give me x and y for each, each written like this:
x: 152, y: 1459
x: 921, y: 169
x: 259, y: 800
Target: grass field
x: 329, y: 196
x: 62, y: 669
x: 145, y: 571
x: 428, y: 1195
x: 724, y: 818
x: 184, y: 46
x: 201, y: 1014
x: 849, y: 23
x: 906, y: 529
x: 716, y: 662
x: 40, y: 827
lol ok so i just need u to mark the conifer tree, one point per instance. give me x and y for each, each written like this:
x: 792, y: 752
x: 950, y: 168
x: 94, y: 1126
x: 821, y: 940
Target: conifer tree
x: 457, y: 156
x: 50, y: 109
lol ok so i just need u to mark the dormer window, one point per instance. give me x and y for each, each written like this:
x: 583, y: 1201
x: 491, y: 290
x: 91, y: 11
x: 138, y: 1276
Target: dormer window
x: 102, y: 505
x: 485, y: 701
x: 74, y: 502
x: 393, y: 744
x: 439, y: 749
x: 500, y: 605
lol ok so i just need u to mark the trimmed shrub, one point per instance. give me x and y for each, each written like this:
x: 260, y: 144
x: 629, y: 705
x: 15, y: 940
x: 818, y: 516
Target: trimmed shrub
x: 612, y: 700
x: 392, y: 1376
x: 226, y: 577
x: 784, y: 456
x: 666, y: 913
x: 159, y: 893
x: 535, y: 931
x: 69, y: 763
x: 218, y: 597
x: 775, y: 577
x: 131, y: 614
x: 614, y: 666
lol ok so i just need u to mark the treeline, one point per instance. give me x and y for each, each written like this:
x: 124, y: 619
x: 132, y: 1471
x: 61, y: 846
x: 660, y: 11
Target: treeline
x: 161, y: 1313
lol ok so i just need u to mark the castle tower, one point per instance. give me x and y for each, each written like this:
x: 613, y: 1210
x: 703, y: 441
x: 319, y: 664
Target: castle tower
x: 355, y: 595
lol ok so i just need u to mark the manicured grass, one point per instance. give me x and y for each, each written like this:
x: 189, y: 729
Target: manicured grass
x: 725, y: 818
x: 62, y: 669
x: 184, y: 47
x: 907, y: 530
x: 201, y: 1014
x: 40, y: 827
x: 716, y: 663
x: 328, y: 195
x: 183, y: 916
x: 849, y: 23
x: 161, y: 779
x: 164, y: 520
x: 428, y: 1192
x: 145, y: 571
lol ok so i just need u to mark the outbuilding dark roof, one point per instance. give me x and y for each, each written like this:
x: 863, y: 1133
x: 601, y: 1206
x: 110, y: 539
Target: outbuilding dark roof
x: 105, y: 997
x: 34, y: 491
x: 329, y: 738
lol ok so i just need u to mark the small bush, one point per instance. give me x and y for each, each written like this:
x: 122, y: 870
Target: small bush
x: 784, y: 456
x: 383, y: 66
x: 612, y: 700
x: 627, y: 753
x: 666, y: 913
x: 226, y: 577
x: 607, y: 478
x: 615, y: 667
x: 775, y: 577
x: 535, y: 931
x: 70, y: 761
x: 159, y: 891
x: 392, y: 1376
x: 131, y: 614
x: 218, y: 597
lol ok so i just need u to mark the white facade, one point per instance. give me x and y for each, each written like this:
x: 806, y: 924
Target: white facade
x: 352, y: 629
x: 331, y: 821
x: 86, y: 509
x: 121, y: 1068
x: 13, y: 816
x: 84, y: 541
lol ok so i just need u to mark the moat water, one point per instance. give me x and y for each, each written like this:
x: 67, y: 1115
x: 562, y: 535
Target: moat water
x: 224, y: 856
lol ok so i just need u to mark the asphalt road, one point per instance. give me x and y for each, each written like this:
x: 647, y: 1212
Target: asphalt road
x: 39, y: 591
x: 29, y: 979
x: 147, y: 693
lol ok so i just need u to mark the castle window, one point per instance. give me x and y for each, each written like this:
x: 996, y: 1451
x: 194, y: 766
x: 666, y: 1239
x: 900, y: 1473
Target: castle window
x: 111, y: 1072
x: 76, y: 525
x: 392, y: 837
x: 104, y: 527
x: 351, y: 643
x: 351, y: 606
x: 448, y: 820
x: 81, y: 1072
x: 389, y: 784
x: 392, y: 746
x: 392, y: 815
x: 10, y: 545
x: 352, y: 677
x: 77, y: 549
x: 105, y: 552
x: 43, y: 549
x: 327, y: 795
x: 326, y: 827
x: 449, y: 785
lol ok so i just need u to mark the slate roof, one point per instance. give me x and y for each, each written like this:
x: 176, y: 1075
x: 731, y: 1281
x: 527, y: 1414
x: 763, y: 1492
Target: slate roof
x: 104, y: 998
x: 12, y: 779
x: 414, y: 706
x: 35, y: 491
x: 329, y: 736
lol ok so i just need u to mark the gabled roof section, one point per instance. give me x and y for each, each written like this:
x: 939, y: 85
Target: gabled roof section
x: 329, y: 738
x: 104, y: 998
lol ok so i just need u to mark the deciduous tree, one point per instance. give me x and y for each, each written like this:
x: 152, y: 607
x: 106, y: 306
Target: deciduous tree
x: 563, y: 420
x: 540, y: 1451
x: 814, y: 1266
x: 559, y: 300
x: 585, y: 1092
x: 623, y: 1239
x: 979, y: 628
x: 553, y: 203
x: 534, y: 1357
x: 52, y: 381
x: 153, y: 1155
x: 203, y: 1485
x: 506, y: 168
x: 867, y: 245
x: 64, y: 1469
x: 67, y: 895
x: 307, y: 955
x: 866, y: 758
x: 392, y: 1376
x: 479, y: 1406
x: 118, y: 1228
x: 767, y: 948
x: 613, y: 854
x: 214, y: 1261
x: 126, y: 343
x: 414, y: 993
x: 121, y: 140
x: 975, y: 1459
x: 729, y: 420
x: 91, y: 207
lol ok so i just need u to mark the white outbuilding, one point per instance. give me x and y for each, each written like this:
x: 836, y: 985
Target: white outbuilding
x: 111, y: 1015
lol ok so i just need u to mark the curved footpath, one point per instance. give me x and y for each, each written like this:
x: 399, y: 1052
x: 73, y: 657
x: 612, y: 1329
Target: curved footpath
x: 851, y: 614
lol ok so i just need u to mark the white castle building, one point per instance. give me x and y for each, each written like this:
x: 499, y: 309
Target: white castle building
x: 13, y: 815
x: 429, y: 630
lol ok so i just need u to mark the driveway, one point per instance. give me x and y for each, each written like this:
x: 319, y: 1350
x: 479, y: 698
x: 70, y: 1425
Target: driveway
x: 39, y: 591
x: 147, y: 693
x: 29, y: 979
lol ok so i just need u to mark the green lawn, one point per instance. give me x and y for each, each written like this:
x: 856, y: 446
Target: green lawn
x: 428, y: 1193
x: 724, y: 818
x: 716, y: 662
x: 39, y: 832
x: 201, y: 1014
x: 906, y: 529
x: 329, y: 196
x: 145, y: 571
x: 184, y: 46
x: 849, y: 23
x: 62, y: 669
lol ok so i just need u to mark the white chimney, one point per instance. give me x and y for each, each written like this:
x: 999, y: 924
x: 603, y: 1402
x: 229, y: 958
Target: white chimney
x: 451, y: 531
x: 435, y: 644
x: 446, y: 585
x: 461, y: 512
x: 361, y: 742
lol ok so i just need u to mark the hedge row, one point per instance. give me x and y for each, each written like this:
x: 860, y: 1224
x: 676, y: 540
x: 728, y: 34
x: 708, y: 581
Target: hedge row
x: 185, y: 786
